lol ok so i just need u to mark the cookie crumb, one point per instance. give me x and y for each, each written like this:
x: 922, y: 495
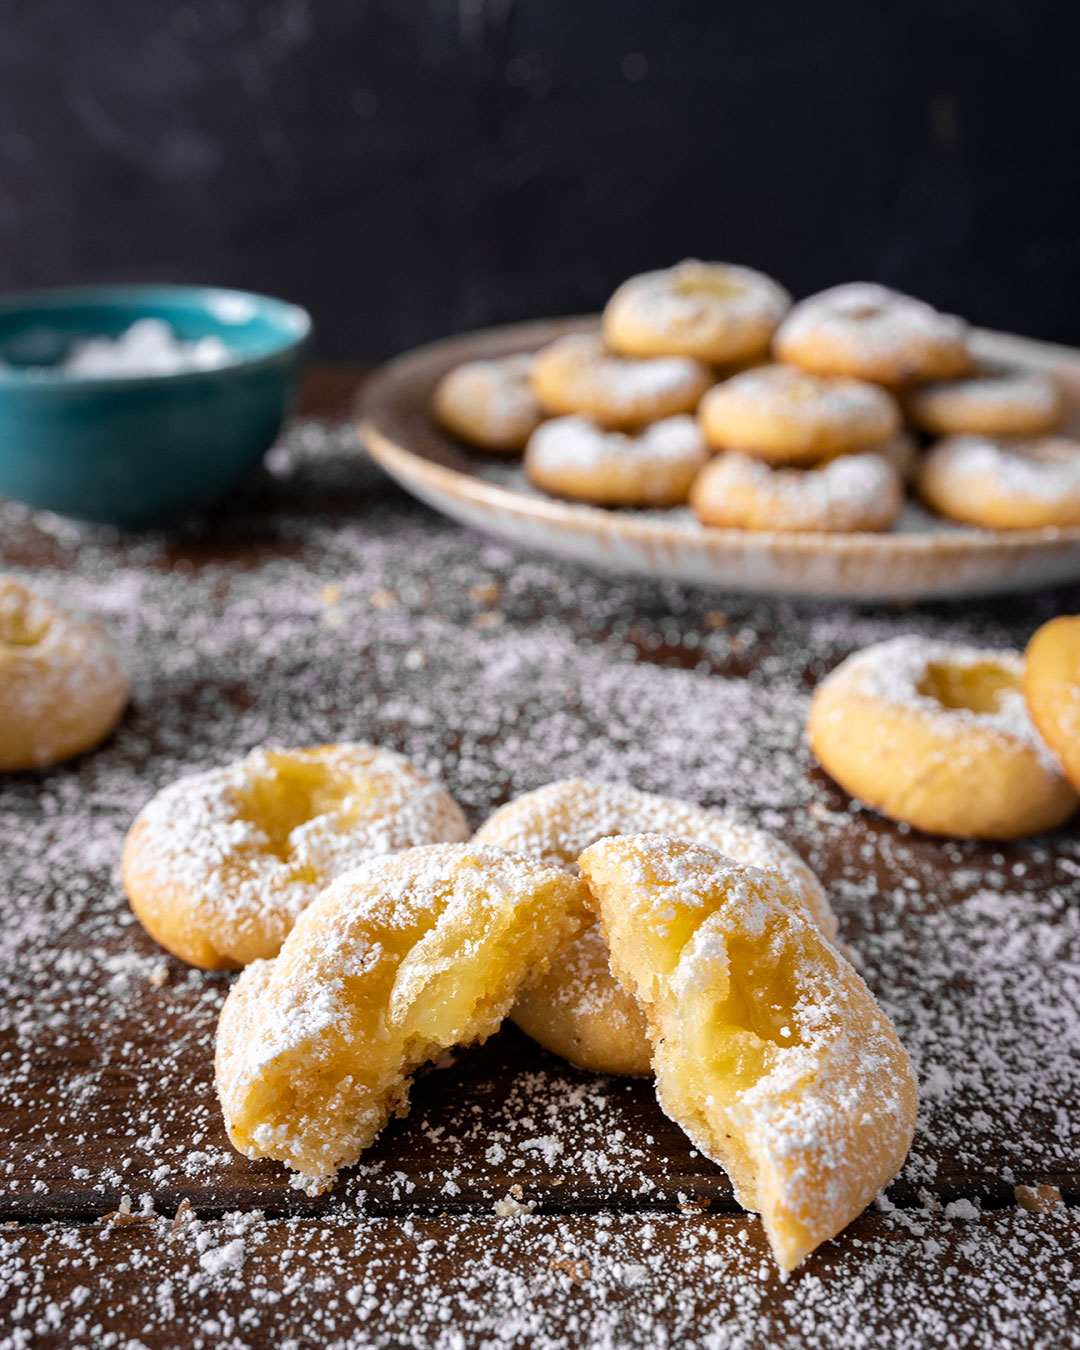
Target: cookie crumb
x: 1039, y: 1199
x: 123, y: 1215
x: 512, y: 1205
x: 578, y: 1271
x: 184, y: 1212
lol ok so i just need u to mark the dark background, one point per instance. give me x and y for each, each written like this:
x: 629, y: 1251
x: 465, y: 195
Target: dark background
x: 409, y: 168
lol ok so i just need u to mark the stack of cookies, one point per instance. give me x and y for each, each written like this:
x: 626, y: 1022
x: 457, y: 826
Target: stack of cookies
x: 705, y: 385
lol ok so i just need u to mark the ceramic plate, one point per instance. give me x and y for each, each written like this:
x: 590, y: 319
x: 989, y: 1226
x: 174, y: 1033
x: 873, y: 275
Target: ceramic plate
x: 923, y: 557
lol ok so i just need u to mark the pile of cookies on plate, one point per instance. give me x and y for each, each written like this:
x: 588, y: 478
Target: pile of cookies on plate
x: 706, y: 385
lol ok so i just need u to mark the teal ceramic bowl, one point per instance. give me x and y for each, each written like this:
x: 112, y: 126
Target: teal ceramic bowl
x: 137, y: 449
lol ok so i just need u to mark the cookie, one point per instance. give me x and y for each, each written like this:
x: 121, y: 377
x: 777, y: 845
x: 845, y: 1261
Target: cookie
x: 398, y: 960
x: 219, y: 864
x: 62, y: 686
x: 718, y: 313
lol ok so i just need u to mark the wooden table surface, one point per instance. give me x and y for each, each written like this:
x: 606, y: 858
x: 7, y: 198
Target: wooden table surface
x: 326, y: 605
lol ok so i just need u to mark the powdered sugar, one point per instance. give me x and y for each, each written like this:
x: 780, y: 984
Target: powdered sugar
x: 206, y: 841
x: 881, y: 318
x: 149, y: 347
x: 577, y: 443
x: 581, y: 369
x: 852, y: 492
x: 1045, y: 469
x: 895, y: 672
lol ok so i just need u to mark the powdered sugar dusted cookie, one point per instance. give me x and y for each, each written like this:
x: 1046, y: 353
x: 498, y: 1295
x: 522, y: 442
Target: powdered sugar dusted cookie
x: 1004, y: 483
x: 218, y: 865
x: 873, y: 333
x: 579, y: 1010
x: 788, y: 416
x: 849, y: 493
x: 572, y: 457
x: 62, y: 687
x: 395, y: 962
x: 715, y: 312
x: 939, y: 736
x: 769, y: 1049
x: 1052, y: 689
x: 577, y: 374
x: 994, y: 401
x: 489, y: 403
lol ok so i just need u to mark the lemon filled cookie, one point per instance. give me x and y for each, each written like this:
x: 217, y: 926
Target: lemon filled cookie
x: 719, y: 313
x: 1023, y: 483
x: 939, y: 737
x: 994, y: 401
x: 870, y: 332
x: 788, y: 416
x: 578, y: 1010
x: 1052, y: 689
x: 769, y: 1049
x: 396, y: 961
x: 572, y: 457
x: 490, y: 404
x: 218, y: 865
x: 863, y: 492
x: 62, y: 687
x: 577, y: 374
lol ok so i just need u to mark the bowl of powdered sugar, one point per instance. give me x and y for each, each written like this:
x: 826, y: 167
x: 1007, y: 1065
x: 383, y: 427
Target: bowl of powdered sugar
x: 129, y: 405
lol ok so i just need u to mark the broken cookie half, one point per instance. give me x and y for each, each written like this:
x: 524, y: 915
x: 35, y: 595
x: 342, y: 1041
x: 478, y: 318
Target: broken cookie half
x: 769, y: 1050
x: 397, y: 961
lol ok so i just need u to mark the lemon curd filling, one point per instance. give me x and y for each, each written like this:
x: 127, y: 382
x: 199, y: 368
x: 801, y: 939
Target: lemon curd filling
x: 734, y: 1038
x: 219, y: 864
x: 19, y: 626
x: 769, y: 1049
x: 712, y: 285
x: 864, y: 313
x: 977, y: 688
x: 297, y: 790
x: 395, y: 962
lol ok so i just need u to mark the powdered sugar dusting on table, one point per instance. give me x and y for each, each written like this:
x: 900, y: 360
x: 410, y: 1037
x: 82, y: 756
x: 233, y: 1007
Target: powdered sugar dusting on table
x: 498, y: 671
